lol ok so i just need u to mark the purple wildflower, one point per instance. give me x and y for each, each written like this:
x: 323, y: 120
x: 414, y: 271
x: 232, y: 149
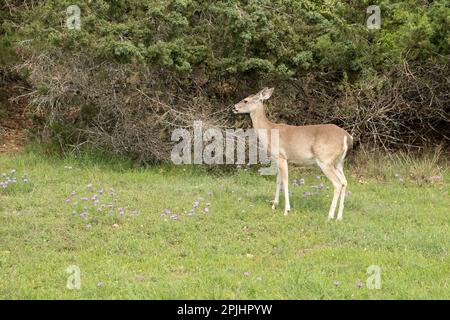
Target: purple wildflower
x: 360, y: 284
x: 83, y: 215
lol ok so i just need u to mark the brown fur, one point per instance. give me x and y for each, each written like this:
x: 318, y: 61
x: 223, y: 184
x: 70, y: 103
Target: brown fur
x: 321, y: 144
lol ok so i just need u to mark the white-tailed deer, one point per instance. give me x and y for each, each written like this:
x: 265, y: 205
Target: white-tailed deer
x: 325, y: 145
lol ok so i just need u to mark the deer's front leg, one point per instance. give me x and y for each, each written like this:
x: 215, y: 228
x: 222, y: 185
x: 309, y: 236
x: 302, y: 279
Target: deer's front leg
x: 283, y: 167
x: 277, y: 192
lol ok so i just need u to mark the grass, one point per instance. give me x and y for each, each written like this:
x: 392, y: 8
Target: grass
x: 239, y: 250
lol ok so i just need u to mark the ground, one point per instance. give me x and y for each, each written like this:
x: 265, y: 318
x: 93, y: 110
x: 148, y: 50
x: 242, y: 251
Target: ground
x: 13, y: 120
x: 240, y: 249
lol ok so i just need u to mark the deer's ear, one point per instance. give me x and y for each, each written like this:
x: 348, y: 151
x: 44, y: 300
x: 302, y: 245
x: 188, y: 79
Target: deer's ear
x: 265, y: 93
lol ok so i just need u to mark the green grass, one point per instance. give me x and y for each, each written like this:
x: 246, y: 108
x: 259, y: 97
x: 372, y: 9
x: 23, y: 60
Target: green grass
x: 239, y: 250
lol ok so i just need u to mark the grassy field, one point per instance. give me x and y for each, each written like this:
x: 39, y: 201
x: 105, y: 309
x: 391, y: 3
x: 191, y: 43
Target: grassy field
x: 239, y: 249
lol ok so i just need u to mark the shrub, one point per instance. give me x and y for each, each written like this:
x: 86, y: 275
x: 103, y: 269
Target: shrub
x: 137, y: 69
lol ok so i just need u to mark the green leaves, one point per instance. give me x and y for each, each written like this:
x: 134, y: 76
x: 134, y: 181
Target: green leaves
x: 267, y: 38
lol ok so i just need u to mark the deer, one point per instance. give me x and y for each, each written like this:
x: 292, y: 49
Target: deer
x: 325, y: 145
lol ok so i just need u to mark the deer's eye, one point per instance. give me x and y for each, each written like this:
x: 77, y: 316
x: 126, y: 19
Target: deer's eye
x: 245, y: 101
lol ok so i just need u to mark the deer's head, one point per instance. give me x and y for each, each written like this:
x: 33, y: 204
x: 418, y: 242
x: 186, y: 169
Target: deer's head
x: 253, y: 101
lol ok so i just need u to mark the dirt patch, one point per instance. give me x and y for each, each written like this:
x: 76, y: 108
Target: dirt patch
x: 13, y: 120
x: 12, y: 135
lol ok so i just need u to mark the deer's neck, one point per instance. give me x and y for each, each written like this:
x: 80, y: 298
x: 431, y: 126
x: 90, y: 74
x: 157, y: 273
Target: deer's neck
x: 259, y: 118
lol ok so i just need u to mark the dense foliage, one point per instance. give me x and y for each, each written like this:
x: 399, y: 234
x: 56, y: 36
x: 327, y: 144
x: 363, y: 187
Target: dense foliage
x: 146, y: 62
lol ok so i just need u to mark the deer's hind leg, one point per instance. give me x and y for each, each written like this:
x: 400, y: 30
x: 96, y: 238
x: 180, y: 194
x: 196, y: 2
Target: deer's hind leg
x: 340, y: 171
x: 331, y: 173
